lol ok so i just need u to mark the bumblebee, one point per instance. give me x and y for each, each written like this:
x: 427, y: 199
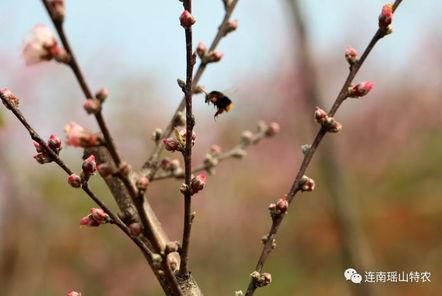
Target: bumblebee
x: 220, y: 101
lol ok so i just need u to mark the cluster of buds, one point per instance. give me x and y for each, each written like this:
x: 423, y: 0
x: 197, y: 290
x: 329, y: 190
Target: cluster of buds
x: 211, y: 159
x: 351, y: 56
x: 187, y: 20
x: 306, y: 184
x: 135, y: 229
x: 208, y: 57
x: 278, y: 209
x: 72, y: 293
x: 359, y: 90
x: 42, y: 46
x: 142, y: 183
x: 95, y: 218
x: 196, y: 184
x: 57, y: 9
x: 78, y: 136
x: 10, y: 97
x: 179, y: 142
x: 327, y: 122
x: 385, y: 19
x: 43, y: 156
x: 261, y: 280
x: 171, y: 165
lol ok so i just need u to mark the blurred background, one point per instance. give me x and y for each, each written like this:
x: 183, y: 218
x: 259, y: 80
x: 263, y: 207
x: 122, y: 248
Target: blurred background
x: 377, y: 202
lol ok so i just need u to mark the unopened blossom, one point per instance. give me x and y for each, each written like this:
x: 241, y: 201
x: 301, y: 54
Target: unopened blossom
x: 186, y: 19
x: 38, y: 148
x: 307, y: 184
x: 170, y: 144
x: 125, y: 169
x: 183, y: 133
x: 320, y: 115
x: 351, y: 55
x: 272, y: 129
x: 11, y: 98
x: 89, y: 221
x: 74, y: 180
x: 386, y: 16
x: 231, y: 26
x: 215, y: 150
x: 57, y: 9
x: 42, y: 158
x: 142, y: 183
x: 214, y: 56
x: 89, y: 166
x: 72, y: 293
x: 92, y: 106
x: 198, y: 183
x: 106, y: 170
x: 135, y: 229
x: 54, y: 143
x: 40, y: 46
x: 101, y: 94
x: 360, y: 90
x: 78, y: 136
x: 282, y: 205
x: 201, y: 50
x: 99, y: 215
x: 173, y: 263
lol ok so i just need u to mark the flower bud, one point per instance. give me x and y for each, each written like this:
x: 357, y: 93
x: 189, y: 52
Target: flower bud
x: 239, y: 293
x: 201, y: 50
x: 89, y: 166
x: 170, y: 144
x: 351, y: 56
x: 54, y: 143
x: 99, y: 215
x: 171, y: 247
x: 386, y: 16
x: 231, y: 26
x: 183, y: 133
x: 38, y: 148
x: 305, y: 149
x: 282, y: 205
x: 125, y: 169
x: 92, y: 106
x: 173, y: 263
x: 106, y: 170
x: 135, y: 229
x: 11, y: 98
x: 186, y: 20
x: 89, y: 221
x: 62, y: 56
x: 57, y: 10
x: 265, y: 280
x: 184, y: 188
x: 320, y: 115
x: 174, y: 164
x: 79, y: 137
x: 101, y: 94
x: 72, y: 293
x: 360, y: 90
x: 42, y: 158
x: 307, y: 184
x: 142, y: 183
x: 246, y: 137
x: 157, y: 134
x: 197, y: 183
x: 273, y: 129
x: 214, y: 56
x: 74, y: 180
x: 215, y: 150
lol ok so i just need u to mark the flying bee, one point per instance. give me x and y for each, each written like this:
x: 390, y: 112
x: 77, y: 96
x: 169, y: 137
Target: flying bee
x: 219, y: 100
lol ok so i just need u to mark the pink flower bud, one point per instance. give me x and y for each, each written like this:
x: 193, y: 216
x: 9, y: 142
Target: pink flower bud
x: 174, y: 164
x: 74, y: 180
x: 135, y: 229
x: 89, y: 221
x: 62, y: 56
x: 42, y: 158
x: 336, y: 127
x: 183, y: 133
x: 41, y: 46
x: 320, y: 115
x: 89, y: 166
x: 54, y: 143
x: 201, y: 49
x: 265, y: 280
x: 231, y: 26
x: 38, y: 148
x: 272, y: 129
x: 186, y: 20
x: 184, y: 189
x: 101, y: 94
x: 99, y: 215
x: 106, y: 170
x: 351, y: 55
x: 92, y: 106
x: 307, y: 184
x: 282, y: 205
x: 142, y: 183
x: 360, y: 90
x: 214, y: 56
x: 72, y: 293
x: 173, y: 263
x: 79, y: 137
x: 197, y: 183
x: 246, y: 137
x: 386, y: 16
x: 170, y: 144
x: 11, y: 98
x: 57, y: 9
x: 171, y: 247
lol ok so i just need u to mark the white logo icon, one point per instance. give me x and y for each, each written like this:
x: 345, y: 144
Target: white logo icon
x: 352, y: 275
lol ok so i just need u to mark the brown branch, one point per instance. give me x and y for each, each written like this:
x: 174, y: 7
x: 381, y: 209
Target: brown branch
x: 309, y: 155
x: 187, y: 154
x: 150, y: 166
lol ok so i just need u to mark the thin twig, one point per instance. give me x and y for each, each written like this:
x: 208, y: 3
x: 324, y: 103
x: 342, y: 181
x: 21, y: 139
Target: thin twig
x: 150, y: 166
x: 308, y: 157
x: 187, y: 154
